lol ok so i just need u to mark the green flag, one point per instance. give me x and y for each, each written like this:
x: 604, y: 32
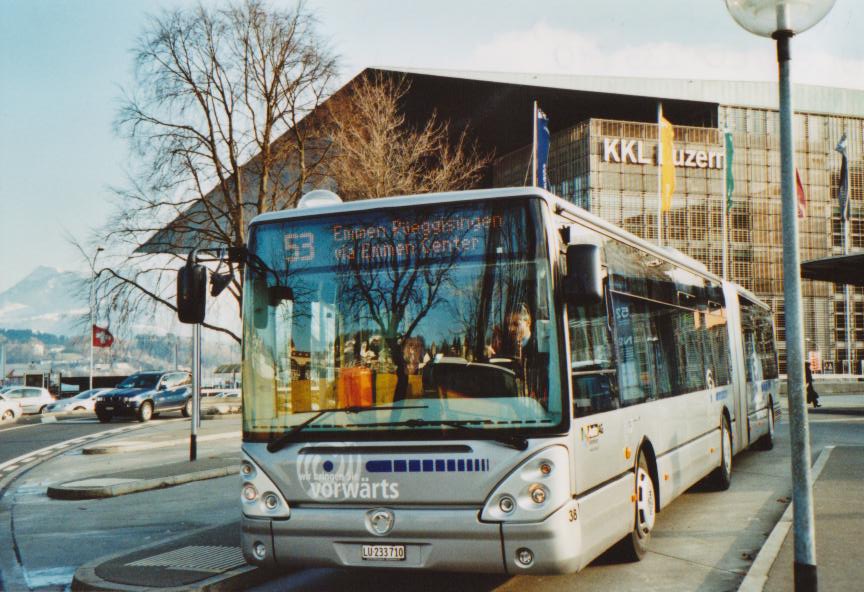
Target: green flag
x: 730, y: 180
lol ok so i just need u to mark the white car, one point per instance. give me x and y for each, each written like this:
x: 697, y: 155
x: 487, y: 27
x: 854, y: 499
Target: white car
x: 9, y: 412
x: 80, y: 402
x: 30, y: 399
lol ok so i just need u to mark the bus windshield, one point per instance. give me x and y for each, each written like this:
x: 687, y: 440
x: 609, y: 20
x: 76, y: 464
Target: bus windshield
x: 433, y: 317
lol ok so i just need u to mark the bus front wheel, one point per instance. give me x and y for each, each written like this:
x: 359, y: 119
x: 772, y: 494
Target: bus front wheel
x: 634, y: 546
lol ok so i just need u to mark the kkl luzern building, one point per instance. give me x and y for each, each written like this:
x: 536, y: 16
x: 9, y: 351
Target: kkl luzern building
x: 603, y: 157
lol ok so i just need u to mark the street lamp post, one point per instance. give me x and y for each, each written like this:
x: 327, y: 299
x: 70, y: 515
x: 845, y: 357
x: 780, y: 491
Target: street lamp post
x: 780, y: 20
x: 92, y: 307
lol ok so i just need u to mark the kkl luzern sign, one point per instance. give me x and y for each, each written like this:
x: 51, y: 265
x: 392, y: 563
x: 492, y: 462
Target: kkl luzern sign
x: 633, y: 151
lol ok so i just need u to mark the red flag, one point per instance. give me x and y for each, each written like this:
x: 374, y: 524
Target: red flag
x: 802, y: 198
x: 102, y: 337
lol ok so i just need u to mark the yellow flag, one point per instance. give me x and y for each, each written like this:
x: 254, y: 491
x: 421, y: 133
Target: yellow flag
x: 667, y: 166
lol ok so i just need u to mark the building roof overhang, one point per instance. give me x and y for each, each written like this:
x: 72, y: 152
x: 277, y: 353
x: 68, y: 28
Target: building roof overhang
x: 842, y: 269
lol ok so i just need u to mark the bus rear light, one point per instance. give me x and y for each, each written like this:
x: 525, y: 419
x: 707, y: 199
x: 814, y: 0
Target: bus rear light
x: 545, y: 468
x: 524, y: 556
x: 506, y: 504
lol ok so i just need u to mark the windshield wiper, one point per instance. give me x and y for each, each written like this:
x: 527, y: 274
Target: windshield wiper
x: 288, y: 436
x: 511, y: 440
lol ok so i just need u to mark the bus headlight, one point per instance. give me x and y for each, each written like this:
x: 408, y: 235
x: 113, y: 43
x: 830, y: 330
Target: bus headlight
x: 533, y: 491
x: 250, y: 494
x: 537, y: 493
x: 270, y: 504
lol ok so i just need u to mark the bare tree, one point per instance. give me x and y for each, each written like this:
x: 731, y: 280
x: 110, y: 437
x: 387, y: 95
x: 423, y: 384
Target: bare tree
x: 377, y: 154
x: 219, y: 131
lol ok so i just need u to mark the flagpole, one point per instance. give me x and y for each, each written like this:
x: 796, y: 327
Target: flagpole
x: 534, y: 150
x: 659, y: 173
x: 846, y: 295
x: 725, y: 205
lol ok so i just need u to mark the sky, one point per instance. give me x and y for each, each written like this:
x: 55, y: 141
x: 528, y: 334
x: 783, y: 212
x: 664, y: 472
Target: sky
x: 64, y: 65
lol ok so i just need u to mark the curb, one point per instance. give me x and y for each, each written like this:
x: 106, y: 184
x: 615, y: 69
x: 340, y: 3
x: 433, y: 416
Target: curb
x: 136, y: 446
x: 757, y: 575
x: 69, y: 491
x: 240, y: 578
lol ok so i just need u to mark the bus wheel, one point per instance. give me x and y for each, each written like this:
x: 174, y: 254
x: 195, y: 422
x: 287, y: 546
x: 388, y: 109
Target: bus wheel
x: 721, y: 478
x: 634, y: 546
x: 766, y: 442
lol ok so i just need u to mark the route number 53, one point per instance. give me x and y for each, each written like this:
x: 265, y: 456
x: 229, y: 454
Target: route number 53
x: 299, y: 247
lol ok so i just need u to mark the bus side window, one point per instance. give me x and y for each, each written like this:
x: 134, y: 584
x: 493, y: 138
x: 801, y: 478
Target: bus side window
x: 592, y: 369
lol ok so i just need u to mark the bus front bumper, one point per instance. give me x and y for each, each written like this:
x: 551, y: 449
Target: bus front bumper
x: 434, y: 539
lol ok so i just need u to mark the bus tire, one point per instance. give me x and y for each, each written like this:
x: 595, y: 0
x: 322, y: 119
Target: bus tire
x: 721, y: 478
x: 766, y: 442
x: 634, y: 546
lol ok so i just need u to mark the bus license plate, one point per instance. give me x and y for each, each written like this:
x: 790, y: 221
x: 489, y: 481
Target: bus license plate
x: 382, y: 552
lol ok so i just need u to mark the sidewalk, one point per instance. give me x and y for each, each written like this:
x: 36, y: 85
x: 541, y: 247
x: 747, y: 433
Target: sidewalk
x: 147, y: 459
x: 839, y: 510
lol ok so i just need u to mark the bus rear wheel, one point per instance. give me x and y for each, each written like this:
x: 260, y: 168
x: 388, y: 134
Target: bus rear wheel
x: 766, y: 442
x: 721, y: 478
x: 634, y: 546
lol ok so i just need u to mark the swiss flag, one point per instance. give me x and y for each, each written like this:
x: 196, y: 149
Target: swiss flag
x: 102, y: 337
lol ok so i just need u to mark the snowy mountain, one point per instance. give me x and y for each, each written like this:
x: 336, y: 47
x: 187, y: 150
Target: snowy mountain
x: 47, y: 300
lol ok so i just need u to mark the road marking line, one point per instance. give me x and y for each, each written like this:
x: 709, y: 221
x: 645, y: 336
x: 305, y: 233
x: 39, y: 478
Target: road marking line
x: 32, y: 455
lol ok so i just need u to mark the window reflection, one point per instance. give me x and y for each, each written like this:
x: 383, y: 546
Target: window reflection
x: 661, y: 332
x: 448, y: 303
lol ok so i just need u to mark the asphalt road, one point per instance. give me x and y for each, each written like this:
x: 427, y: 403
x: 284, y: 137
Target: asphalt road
x: 54, y: 536
x: 19, y: 439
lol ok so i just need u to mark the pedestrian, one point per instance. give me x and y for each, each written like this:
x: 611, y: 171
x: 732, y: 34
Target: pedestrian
x: 812, y: 395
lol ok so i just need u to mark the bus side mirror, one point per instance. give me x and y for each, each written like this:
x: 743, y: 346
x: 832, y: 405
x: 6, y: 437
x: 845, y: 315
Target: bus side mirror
x: 191, y: 293
x: 583, y: 283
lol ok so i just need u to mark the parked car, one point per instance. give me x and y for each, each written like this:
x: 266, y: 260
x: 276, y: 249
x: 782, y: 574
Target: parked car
x: 81, y: 402
x: 30, y: 399
x: 229, y: 395
x: 146, y: 394
x: 9, y: 411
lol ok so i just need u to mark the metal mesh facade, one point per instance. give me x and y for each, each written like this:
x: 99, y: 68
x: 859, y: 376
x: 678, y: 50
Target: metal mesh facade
x: 608, y: 167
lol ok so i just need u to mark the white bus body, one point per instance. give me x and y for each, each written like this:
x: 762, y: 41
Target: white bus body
x: 421, y: 391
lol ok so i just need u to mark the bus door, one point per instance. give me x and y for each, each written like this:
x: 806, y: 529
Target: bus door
x: 738, y: 404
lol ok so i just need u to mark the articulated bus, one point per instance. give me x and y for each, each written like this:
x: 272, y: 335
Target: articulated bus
x: 492, y: 381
